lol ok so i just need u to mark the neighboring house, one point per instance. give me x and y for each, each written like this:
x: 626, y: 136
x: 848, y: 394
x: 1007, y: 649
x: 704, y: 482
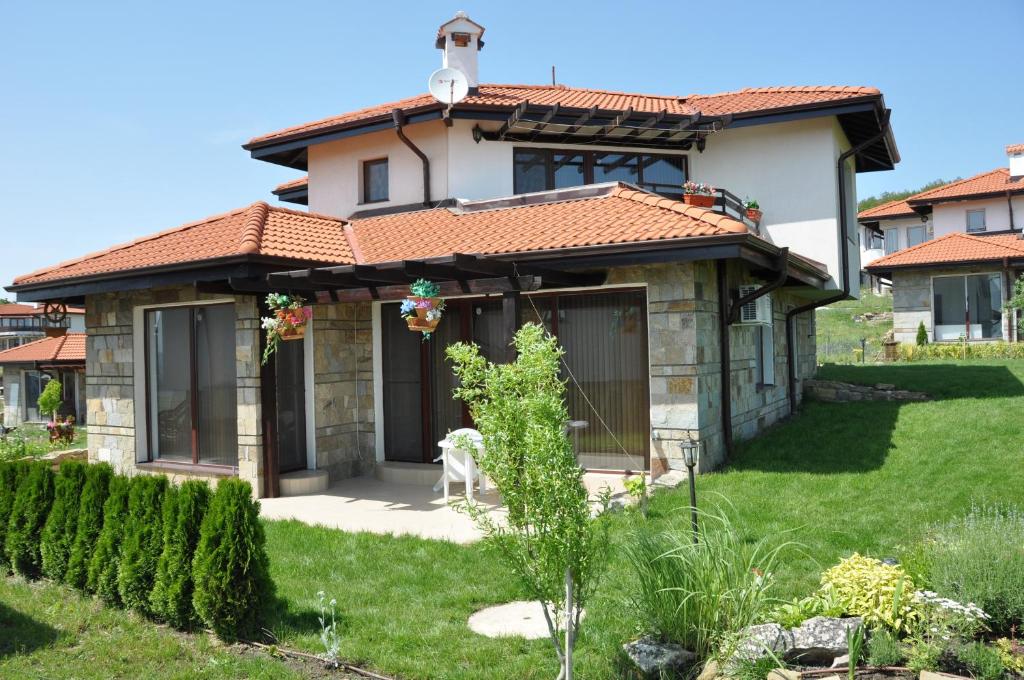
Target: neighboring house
x: 27, y: 368
x: 549, y: 203
x: 20, y: 324
x: 952, y: 254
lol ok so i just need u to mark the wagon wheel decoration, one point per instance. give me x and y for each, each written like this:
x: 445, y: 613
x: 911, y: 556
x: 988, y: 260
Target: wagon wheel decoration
x: 55, y: 312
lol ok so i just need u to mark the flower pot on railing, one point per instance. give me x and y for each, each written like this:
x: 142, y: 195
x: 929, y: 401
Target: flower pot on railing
x: 699, y: 200
x: 754, y: 215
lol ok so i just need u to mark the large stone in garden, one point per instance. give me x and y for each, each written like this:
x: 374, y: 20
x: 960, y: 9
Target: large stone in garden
x: 656, y: 659
x: 757, y: 641
x: 819, y: 640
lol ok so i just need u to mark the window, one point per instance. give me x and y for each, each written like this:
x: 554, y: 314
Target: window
x: 546, y: 169
x: 375, y: 180
x: 892, y: 241
x: 975, y: 220
x: 916, y: 235
x: 191, y: 387
x: 970, y: 306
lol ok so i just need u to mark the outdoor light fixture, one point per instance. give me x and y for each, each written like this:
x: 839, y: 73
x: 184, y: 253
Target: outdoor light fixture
x: 691, y: 453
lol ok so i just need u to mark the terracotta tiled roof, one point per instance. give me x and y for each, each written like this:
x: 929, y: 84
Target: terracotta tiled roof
x: 69, y: 347
x: 293, y: 184
x: 1015, y: 148
x: 954, y: 248
x: 14, y: 309
x: 258, y: 229
x: 620, y: 215
x: 891, y: 209
x: 992, y: 182
x: 509, y: 96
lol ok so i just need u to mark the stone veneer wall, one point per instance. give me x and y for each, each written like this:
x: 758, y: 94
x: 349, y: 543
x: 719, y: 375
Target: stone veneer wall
x: 343, y: 389
x: 110, y: 378
x: 685, y: 380
x: 912, y: 298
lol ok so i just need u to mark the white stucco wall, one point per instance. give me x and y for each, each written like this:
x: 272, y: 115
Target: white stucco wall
x: 952, y: 217
x: 901, y: 225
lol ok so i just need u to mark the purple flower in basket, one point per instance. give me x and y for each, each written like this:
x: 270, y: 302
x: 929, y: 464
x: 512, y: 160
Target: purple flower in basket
x: 424, y: 303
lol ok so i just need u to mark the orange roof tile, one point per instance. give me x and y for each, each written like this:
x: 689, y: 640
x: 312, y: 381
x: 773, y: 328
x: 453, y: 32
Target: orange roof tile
x: 258, y: 229
x: 898, y: 208
x: 952, y: 249
x: 509, y: 96
x: 14, y: 309
x: 1015, y: 148
x: 996, y: 181
x: 620, y: 215
x: 293, y: 184
x: 69, y: 347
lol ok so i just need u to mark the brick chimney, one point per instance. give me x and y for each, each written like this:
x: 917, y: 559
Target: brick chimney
x: 460, y: 39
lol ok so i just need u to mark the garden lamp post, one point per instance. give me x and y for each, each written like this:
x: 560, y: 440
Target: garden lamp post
x: 691, y: 450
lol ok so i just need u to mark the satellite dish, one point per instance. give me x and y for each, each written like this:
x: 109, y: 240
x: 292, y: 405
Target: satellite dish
x: 448, y: 85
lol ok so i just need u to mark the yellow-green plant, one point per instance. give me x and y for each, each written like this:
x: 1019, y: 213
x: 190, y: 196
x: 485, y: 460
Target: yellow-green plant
x: 1011, y: 653
x: 879, y: 593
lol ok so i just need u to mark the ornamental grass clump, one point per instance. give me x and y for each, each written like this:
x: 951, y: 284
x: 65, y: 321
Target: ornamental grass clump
x: 979, y: 559
x: 102, y: 576
x: 184, y: 508
x: 89, y: 523
x: 59, y: 531
x: 700, y: 595
x: 143, y: 542
x: 28, y: 516
x: 11, y: 475
x: 231, y: 570
x: 549, y: 540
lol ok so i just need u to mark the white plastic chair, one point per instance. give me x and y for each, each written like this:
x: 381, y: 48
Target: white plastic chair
x: 459, y: 465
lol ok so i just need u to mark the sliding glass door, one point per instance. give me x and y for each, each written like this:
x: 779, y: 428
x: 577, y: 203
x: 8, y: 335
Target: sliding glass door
x: 968, y: 306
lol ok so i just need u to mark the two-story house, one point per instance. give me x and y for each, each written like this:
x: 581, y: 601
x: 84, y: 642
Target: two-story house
x: 523, y: 202
x: 952, y: 254
x: 20, y: 324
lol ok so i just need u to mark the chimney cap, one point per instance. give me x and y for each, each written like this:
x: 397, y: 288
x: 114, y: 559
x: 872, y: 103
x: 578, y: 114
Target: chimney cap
x: 1013, y: 149
x: 467, y: 24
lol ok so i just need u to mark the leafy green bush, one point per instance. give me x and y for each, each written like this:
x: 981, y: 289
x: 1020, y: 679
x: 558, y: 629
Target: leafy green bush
x: 184, y: 509
x: 922, y: 335
x: 28, y: 516
x: 49, y: 399
x: 143, y: 541
x: 59, y: 531
x: 880, y: 593
x: 700, y: 595
x: 979, y: 559
x: 230, y: 569
x: 1011, y: 653
x: 102, y: 577
x: 884, y: 649
x: 983, y: 662
x: 89, y: 524
x: 11, y: 475
x: 823, y: 603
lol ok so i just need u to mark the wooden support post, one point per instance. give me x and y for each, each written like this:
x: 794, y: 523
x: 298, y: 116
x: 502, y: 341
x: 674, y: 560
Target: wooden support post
x: 511, y: 313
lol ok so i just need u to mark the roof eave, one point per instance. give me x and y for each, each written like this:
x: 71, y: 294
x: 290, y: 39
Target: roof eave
x: 980, y: 196
x: 882, y: 270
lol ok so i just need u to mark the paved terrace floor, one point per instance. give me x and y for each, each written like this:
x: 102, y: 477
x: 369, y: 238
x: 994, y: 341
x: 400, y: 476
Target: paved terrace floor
x: 369, y: 504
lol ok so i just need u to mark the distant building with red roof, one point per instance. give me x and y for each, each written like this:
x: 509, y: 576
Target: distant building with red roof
x: 20, y: 323
x: 28, y: 367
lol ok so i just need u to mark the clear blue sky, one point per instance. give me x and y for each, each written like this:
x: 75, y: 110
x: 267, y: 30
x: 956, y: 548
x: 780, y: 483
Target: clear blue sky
x: 121, y: 119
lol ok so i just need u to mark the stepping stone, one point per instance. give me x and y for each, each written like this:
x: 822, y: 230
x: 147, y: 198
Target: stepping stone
x: 523, y: 618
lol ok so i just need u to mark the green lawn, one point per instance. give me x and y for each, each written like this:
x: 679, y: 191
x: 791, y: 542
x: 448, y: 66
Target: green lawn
x: 840, y: 478
x: 837, y: 334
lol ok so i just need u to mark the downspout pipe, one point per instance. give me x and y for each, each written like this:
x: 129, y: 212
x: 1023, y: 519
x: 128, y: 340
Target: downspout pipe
x: 844, y: 263
x: 399, y: 119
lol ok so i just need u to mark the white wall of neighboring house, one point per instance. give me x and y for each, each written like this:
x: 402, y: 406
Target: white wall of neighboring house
x: 790, y: 168
x: 952, y: 217
x: 900, y: 226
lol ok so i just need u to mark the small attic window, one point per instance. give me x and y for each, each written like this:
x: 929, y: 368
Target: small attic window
x: 375, y: 180
x: 461, y: 39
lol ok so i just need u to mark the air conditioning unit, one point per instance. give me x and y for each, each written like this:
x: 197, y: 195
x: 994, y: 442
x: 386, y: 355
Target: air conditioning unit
x: 755, y: 311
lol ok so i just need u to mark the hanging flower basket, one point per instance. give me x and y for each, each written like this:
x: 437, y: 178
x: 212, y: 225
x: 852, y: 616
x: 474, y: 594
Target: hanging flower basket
x: 288, y: 322
x: 422, y: 309
x: 698, y: 194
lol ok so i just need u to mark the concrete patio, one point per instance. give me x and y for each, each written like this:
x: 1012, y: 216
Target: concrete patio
x: 380, y: 506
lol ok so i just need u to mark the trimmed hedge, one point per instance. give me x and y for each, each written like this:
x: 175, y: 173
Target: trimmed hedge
x: 90, y: 522
x: 28, y: 516
x: 143, y: 541
x: 231, y: 568
x: 59, y: 531
x: 102, y: 577
x: 11, y: 475
x: 171, y: 598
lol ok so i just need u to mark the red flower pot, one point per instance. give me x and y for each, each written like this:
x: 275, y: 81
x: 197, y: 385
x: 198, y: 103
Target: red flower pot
x: 699, y: 200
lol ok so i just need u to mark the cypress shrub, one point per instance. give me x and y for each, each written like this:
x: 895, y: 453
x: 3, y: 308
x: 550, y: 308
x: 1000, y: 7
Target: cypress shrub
x: 183, y: 515
x: 11, y: 475
x: 230, y: 568
x: 143, y: 541
x: 102, y: 576
x: 90, y: 521
x: 28, y: 516
x: 59, y: 531
x: 922, y: 335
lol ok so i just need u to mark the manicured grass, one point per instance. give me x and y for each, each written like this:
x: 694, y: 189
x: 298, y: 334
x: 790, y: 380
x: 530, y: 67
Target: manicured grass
x: 840, y: 478
x: 837, y: 334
